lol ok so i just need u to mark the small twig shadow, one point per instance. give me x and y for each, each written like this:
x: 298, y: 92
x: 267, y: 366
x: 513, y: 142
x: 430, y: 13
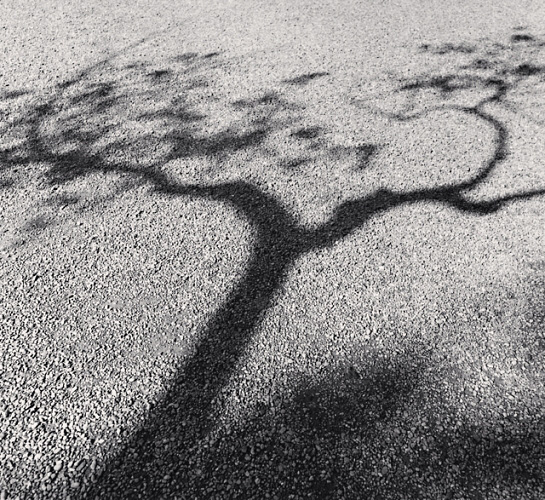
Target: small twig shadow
x: 304, y: 79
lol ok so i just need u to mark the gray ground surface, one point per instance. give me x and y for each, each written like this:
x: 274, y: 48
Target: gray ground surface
x: 272, y: 249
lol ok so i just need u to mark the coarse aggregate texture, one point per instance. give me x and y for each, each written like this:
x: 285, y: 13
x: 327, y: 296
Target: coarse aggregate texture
x: 282, y: 249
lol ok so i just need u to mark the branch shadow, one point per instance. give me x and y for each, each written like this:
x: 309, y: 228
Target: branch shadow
x: 305, y: 445
x: 277, y: 247
x: 305, y: 79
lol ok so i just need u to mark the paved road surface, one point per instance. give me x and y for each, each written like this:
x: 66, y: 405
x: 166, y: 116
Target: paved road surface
x: 272, y: 249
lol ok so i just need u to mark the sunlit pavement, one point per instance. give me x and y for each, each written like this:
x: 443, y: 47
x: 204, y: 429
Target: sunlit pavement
x: 266, y: 250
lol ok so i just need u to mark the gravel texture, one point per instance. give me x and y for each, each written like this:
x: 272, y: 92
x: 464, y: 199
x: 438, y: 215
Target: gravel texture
x: 272, y: 249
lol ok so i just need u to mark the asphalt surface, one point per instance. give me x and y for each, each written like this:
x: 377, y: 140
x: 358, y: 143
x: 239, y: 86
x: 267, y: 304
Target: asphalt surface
x: 272, y: 249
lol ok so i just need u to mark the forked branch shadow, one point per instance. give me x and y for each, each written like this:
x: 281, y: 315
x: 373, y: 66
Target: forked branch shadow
x: 183, y: 417
x: 279, y: 244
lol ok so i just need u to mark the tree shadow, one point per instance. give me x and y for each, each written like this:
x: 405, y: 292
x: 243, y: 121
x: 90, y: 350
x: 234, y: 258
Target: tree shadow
x: 184, y: 416
x: 353, y: 437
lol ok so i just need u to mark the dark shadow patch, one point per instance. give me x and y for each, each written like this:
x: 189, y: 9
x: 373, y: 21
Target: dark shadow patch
x: 6, y: 183
x: 501, y: 86
x: 448, y: 48
x: 211, y: 55
x: 350, y: 438
x: 97, y: 96
x: 233, y: 142
x: 227, y: 141
x: 67, y: 83
x: 180, y: 115
x: 188, y: 56
x: 197, y: 83
x: 480, y: 64
x: 445, y: 84
x: 293, y: 163
x: 269, y: 99
x: 245, y: 103
x: 13, y: 94
x: 528, y: 70
x: 43, y: 110
x: 64, y: 200
x: 522, y: 38
x: 308, y: 133
x: 38, y: 223
x: 188, y: 116
x: 364, y: 155
x: 304, y: 79
x: 159, y: 73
